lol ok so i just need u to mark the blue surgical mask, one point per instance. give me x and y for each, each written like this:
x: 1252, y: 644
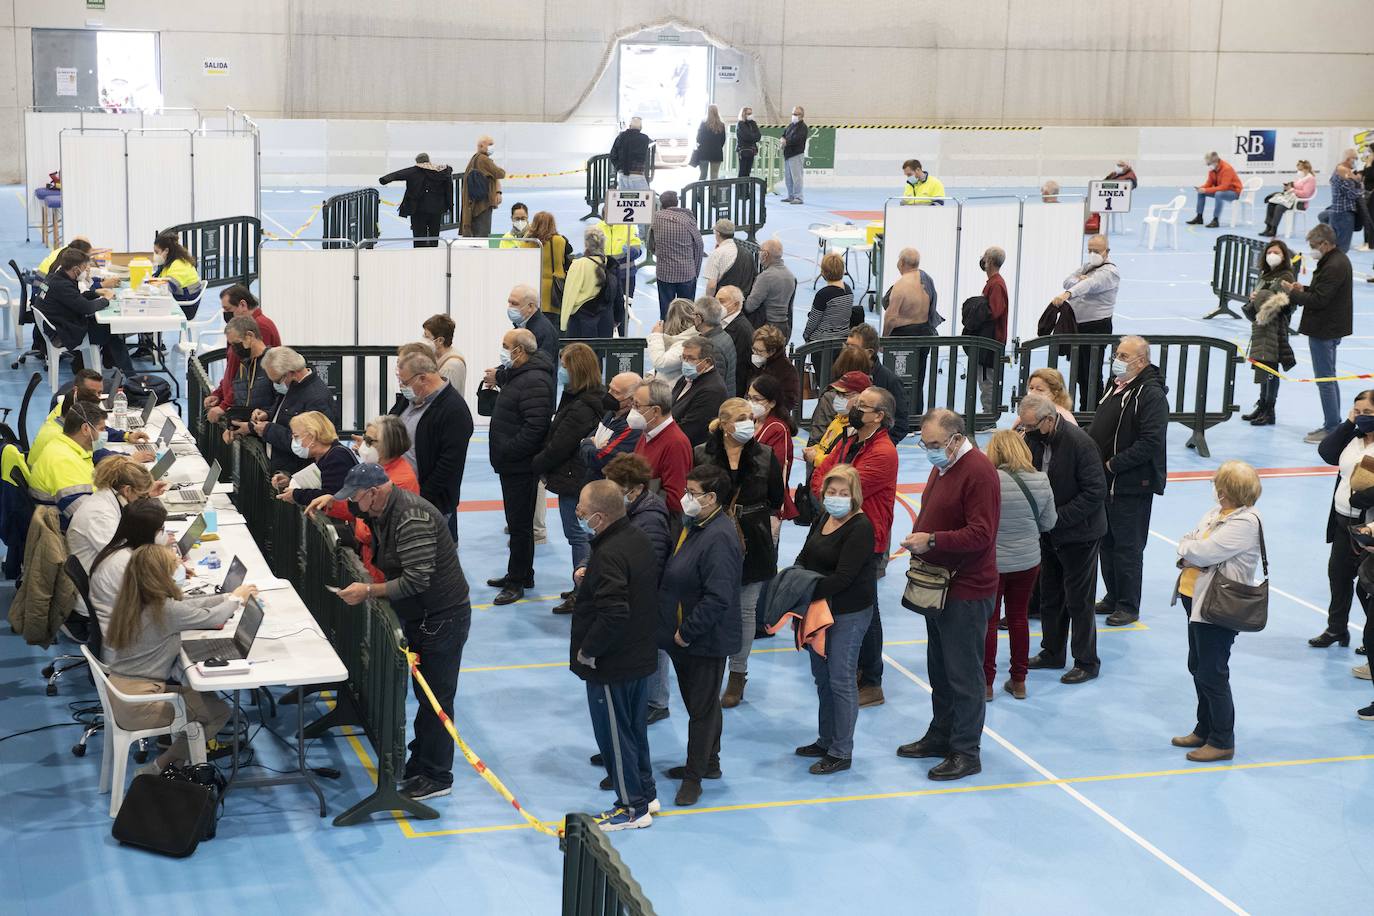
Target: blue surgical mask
x: 279, y: 387
x: 586, y: 527
x: 298, y: 449
x: 563, y: 377
x: 841, y: 405
x: 101, y: 440
x: 744, y: 431
x: 506, y: 358
x: 690, y: 370
x: 407, y: 392
x: 838, y: 506
x: 1364, y: 424
x: 516, y: 317
x: 938, y: 456
x: 1120, y: 367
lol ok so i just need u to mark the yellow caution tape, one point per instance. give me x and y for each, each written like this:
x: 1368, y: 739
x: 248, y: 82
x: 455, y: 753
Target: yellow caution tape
x: 314, y: 212
x: 918, y: 126
x: 1329, y: 378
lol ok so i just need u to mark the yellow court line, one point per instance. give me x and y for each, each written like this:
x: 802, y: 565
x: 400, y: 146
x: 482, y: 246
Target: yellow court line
x: 488, y: 606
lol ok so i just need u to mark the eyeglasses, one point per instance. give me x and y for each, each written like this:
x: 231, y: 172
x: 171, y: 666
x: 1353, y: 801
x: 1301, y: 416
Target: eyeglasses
x: 756, y: 399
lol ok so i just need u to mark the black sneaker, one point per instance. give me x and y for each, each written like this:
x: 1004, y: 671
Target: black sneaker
x: 681, y: 773
x: 1195, y: 221
x: 422, y: 788
x: 1367, y: 713
x: 657, y: 714
x: 598, y: 760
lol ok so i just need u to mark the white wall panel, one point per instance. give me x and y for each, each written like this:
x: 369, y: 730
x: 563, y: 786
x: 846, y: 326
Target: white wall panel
x: 1051, y: 248
x: 482, y: 280
x: 398, y: 288
x: 159, y: 173
x: 983, y: 224
x: 226, y: 180
x: 934, y: 232
x: 309, y: 293
x: 41, y: 130
x: 93, y: 201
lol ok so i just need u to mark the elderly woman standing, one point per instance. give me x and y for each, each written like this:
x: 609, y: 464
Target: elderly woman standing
x: 1229, y: 540
x: 666, y: 339
x: 584, y: 314
x: 1270, y: 311
x: 314, y: 439
x: 1049, y: 383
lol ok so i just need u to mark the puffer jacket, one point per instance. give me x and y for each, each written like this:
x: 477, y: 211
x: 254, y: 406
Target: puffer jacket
x: 699, y: 593
x: 520, y: 420
x: 47, y: 596
x: 560, y: 460
x: 1270, y: 312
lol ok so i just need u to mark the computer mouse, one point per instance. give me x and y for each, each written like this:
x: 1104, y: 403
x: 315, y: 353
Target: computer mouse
x: 215, y: 663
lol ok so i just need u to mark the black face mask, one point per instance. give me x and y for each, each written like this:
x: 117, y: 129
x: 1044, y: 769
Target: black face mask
x: 856, y: 417
x: 983, y: 264
x: 356, y: 509
x: 609, y: 403
x: 242, y: 352
x: 228, y: 316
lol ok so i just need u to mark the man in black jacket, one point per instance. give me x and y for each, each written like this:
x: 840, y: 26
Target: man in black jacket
x: 741, y: 334
x: 519, y: 425
x: 697, y: 396
x: 613, y: 649
x: 794, y: 137
x: 865, y: 337
x: 72, y: 312
x: 429, y: 194
x: 1327, y: 315
x: 1068, y: 571
x: 630, y: 156
x: 522, y: 308
x: 440, y: 427
x: 1130, y: 428
x: 298, y: 390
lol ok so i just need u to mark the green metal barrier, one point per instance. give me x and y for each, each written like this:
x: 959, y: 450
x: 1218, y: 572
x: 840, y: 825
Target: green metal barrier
x: 616, y: 354
x: 601, y: 178
x: 207, y: 435
x: 596, y: 880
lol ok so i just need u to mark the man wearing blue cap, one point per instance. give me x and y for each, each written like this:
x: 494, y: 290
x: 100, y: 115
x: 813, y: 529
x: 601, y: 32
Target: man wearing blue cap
x: 429, y: 593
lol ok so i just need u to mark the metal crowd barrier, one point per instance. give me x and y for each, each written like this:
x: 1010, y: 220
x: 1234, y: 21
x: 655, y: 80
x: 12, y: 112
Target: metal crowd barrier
x: 1187, y: 363
x: 616, y: 354
x: 1235, y: 271
x: 207, y: 435
x: 453, y: 216
x: 596, y: 881
x: 938, y: 366
x: 354, y: 215
x: 226, y: 250
x: 601, y: 178
x: 741, y: 200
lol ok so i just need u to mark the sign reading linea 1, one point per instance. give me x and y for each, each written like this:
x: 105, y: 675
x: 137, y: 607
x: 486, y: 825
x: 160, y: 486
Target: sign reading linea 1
x: 629, y: 207
x: 1109, y: 196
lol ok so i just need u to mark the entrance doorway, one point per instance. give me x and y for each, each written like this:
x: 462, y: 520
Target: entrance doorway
x: 668, y: 86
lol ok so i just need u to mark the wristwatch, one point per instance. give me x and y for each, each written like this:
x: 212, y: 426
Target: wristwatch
x: 930, y: 544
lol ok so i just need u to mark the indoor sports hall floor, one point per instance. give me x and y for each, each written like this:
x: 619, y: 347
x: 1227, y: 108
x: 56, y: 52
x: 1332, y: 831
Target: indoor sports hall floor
x: 1082, y: 805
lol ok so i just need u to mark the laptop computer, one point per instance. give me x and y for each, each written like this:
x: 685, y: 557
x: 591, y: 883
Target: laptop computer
x: 199, y: 650
x: 232, y: 580
x: 111, y: 381
x: 163, y: 465
x: 140, y: 421
x: 188, y: 499
x: 191, y: 535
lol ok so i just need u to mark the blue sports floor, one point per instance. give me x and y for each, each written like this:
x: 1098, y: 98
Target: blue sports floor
x: 1082, y: 805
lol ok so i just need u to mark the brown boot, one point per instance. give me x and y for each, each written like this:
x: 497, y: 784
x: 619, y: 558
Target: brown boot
x: 734, y: 691
x: 988, y: 694
x: 870, y: 696
x: 1015, y: 688
x: 1209, y: 754
x: 1189, y: 740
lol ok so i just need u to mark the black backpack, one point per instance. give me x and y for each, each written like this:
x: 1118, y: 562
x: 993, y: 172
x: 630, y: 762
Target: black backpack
x: 138, y: 387
x: 478, y: 189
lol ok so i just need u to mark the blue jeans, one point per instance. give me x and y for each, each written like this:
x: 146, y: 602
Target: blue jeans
x: 1324, y: 366
x: 620, y: 716
x: 1209, y: 662
x: 577, y: 538
x: 837, y: 683
x: 631, y: 182
x: 667, y: 292
x: 793, y: 173
x: 658, y: 682
x: 1221, y: 198
x: 1342, y: 222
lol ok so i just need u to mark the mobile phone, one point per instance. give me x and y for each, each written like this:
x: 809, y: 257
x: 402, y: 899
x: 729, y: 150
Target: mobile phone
x: 330, y: 588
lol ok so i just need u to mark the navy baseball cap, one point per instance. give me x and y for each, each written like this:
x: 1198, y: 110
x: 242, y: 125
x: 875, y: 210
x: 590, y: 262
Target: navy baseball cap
x: 362, y: 477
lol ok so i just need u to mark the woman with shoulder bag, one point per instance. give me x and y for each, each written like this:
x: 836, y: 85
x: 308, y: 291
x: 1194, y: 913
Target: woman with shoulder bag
x: 1027, y: 512
x: 1269, y: 311
x: 1346, y: 447
x: 1228, y: 541
x: 756, y: 495
x: 559, y: 462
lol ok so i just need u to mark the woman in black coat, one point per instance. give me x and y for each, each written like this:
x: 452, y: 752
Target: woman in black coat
x: 747, y: 137
x: 756, y: 494
x: 559, y: 463
x: 710, y: 144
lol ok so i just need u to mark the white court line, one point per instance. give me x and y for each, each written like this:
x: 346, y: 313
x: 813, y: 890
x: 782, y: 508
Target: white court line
x: 303, y: 242
x: 1092, y: 806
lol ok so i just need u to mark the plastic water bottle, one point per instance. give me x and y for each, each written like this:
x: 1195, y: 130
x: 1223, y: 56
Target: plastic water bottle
x: 121, y: 409
x: 212, y: 560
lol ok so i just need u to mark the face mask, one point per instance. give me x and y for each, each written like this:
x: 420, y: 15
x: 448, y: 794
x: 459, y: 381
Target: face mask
x: 179, y: 575
x: 635, y: 419
x: 101, y: 440
x: 690, y: 370
x: 841, y: 405
x: 1273, y: 259
x: 1095, y: 259
x: 159, y: 259
x: 938, y: 457
x: 838, y: 506
x: 856, y: 417
x: 758, y: 360
x: 609, y: 403
x: 562, y: 376
x: 691, y: 506
x: 1364, y: 424
x: 355, y: 509
x: 228, y: 316
x: 519, y: 224
x: 758, y: 409
x: 586, y: 527
x: 162, y: 539
x: 516, y: 316
x: 279, y: 387
x: 983, y: 264
x: 796, y: 118
x: 1120, y: 367
x: 506, y: 358
x: 744, y: 431
x: 299, y: 450
x: 242, y: 352
x: 407, y: 392
x: 368, y: 454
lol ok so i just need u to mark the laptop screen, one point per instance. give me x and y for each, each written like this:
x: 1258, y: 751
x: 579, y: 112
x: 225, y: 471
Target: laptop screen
x: 211, y: 479
x: 113, y: 379
x: 169, y: 430
x: 248, y: 626
x: 235, y: 576
x: 148, y: 406
x: 188, y: 540
x: 163, y: 465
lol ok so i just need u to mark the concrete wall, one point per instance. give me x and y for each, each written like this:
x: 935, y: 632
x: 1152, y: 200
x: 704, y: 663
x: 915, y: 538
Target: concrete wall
x: 1077, y: 62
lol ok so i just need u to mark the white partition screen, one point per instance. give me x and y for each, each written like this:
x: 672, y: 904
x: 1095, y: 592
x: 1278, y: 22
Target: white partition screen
x: 42, y: 154
x: 159, y: 173
x: 309, y: 293
x: 482, y: 280
x: 226, y: 175
x: 398, y: 288
x: 93, y: 188
x: 1051, y: 249
x: 984, y: 223
x: 933, y: 231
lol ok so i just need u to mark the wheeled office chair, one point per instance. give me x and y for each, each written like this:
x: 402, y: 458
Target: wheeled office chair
x: 82, y: 581
x: 37, y: 348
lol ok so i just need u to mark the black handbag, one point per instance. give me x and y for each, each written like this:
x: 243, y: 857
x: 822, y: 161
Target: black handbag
x: 1238, y: 606
x: 172, y: 812
x: 806, y: 506
x: 486, y: 400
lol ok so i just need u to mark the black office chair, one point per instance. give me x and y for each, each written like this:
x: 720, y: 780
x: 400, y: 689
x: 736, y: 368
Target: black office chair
x: 94, y: 641
x: 20, y: 436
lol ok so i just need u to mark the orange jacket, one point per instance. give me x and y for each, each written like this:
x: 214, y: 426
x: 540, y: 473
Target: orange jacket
x: 808, y: 630
x: 1222, y: 178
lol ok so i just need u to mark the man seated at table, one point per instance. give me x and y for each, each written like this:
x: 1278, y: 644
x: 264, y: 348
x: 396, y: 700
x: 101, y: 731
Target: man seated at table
x: 296, y: 389
x: 429, y: 593
x: 80, y: 243
x: 87, y: 390
x: 72, y: 312
x: 63, y: 474
x: 238, y: 302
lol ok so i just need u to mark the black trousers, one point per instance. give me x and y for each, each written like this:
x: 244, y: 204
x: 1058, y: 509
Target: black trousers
x: 438, y: 639
x: 1123, y: 549
x: 1068, y: 587
x: 518, y: 493
x: 699, y: 680
x: 425, y: 225
x: 1088, y: 364
x: 1209, y: 662
x: 871, y: 651
x: 112, y: 348
x: 954, y: 659
x: 746, y: 163
x: 1342, y: 569
x: 918, y: 381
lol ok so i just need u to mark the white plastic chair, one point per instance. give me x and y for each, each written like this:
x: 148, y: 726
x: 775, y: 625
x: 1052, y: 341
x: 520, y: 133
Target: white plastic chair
x: 1289, y: 223
x: 114, y: 752
x: 194, y: 333
x: 1246, y: 201
x: 55, y: 351
x: 1167, y: 215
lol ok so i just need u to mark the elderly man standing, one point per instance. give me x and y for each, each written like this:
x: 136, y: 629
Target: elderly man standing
x: 677, y: 250
x: 725, y: 266
x: 1130, y: 429
x: 957, y: 531
x: 519, y: 424
x: 710, y: 323
x: 770, y: 300
x: 1068, y: 571
x: 437, y: 418
x: 298, y: 390
x: 741, y: 334
x: 630, y: 157
x: 613, y: 434
x: 1328, y: 308
x: 697, y: 396
x: 522, y: 308
x: 614, y: 650
x: 1347, y: 193
x: 995, y: 291
x: 907, y: 313
x: 1091, y: 293
x: 794, y: 137
x: 429, y: 193
x: 429, y: 593
x: 481, y: 190
x: 661, y: 441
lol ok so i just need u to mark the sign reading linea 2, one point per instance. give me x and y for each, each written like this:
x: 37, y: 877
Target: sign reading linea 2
x: 1109, y: 196
x: 629, y: 207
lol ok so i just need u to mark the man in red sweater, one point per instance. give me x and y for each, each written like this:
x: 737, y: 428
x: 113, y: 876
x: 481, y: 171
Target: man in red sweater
x: 995, y: 291
x: 661, y: 443
x: 870, y: 450
x: 957, y: 529
x: 238, y: 302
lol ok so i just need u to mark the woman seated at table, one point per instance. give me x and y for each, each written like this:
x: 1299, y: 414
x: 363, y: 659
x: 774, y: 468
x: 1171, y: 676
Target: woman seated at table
x: 72, y: 312
x: 141, y: 523
x: 314, y: 439
x: 144, y: 639
x: 174, y: 263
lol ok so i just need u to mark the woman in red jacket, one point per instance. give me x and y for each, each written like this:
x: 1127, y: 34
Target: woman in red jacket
x: 775, y: 429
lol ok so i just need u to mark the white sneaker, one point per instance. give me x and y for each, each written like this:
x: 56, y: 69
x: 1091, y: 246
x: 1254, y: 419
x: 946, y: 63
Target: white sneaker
x: 152, y: 769
x: 622, y: 819
x: 1364, y: 248
x: 1360, y: 671
x: 655, y: 807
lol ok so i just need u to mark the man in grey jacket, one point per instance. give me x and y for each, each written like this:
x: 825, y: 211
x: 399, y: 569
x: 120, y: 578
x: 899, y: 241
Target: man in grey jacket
x: 770, y: 301
x: 711, y: 325
x: 1091, y: 293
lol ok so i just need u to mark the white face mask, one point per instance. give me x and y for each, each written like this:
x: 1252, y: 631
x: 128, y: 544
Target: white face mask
x: 159, y: 259
x: 758, y: 409
x: 796, y: 118
x: 757, y: 360
x: 691, y: 506
x: 298, y: 449
x: 179, y: 575
x: 1273, y: 259
x: 635, y: 419
x: 1095, y: 259
x: 841, y: 405
x: 519, y: 224
x: 368, y: 454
